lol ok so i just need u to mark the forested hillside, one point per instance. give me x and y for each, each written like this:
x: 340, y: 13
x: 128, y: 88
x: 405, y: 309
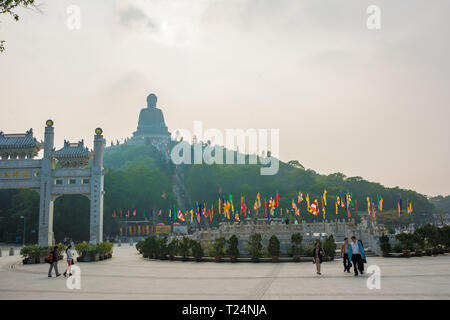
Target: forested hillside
x: 138, y: 178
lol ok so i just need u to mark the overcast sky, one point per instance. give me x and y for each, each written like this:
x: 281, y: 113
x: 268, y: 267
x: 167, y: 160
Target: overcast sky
x: 370, y: 103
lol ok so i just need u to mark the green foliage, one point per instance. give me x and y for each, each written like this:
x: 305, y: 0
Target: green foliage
x: 307, y: 249
x: 8, y: 7
x: 219, y: 247
x: 384, y: 244
x: 105, y: 248
x: 173, y: 247
x: 210, y: 252
x: 84, y: 248
x: 274, y: 246
x: 137, y: 175
x: 429, y: 234
x: 255, y: 246
x: 150, y: 247
x: 445, y: 236
x: 233, y: 248
x: 139, y: 246
x: 296, y: 242
x: 197, y: 250
x: 406, y: 241
x: 329, y: 246
x: 184, y: 247
x: 163, y: 249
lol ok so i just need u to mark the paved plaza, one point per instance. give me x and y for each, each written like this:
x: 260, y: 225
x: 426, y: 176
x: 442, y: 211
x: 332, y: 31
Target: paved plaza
x: 128, y: 276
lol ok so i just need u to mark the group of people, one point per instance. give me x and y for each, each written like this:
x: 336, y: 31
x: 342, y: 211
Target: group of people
x: 53, y: 260
x: 350, y: 253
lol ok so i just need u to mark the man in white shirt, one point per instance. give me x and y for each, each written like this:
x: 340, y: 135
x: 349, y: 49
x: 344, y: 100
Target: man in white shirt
x: 356, y: 255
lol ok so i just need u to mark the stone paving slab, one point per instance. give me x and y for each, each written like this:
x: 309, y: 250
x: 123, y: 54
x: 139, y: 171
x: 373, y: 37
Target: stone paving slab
x: 128, y: 276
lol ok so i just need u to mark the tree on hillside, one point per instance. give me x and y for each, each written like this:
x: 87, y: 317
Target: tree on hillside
x: 296, y: 164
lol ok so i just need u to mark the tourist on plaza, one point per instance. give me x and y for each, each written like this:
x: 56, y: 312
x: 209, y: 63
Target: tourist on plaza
x: 54, y: 262
x: 344, y: 255
x: 69, y: 254
x: 317, y: 256
x: 364, y: 259
x: 356, y: 256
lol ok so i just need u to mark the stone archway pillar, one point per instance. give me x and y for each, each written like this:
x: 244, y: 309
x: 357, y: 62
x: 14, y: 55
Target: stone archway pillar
x: 46, y: 201
x: 96, y: 216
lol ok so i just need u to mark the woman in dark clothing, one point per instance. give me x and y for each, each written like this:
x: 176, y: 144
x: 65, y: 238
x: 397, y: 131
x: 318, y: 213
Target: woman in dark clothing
x: 364, y: 259
x: 317, y: 256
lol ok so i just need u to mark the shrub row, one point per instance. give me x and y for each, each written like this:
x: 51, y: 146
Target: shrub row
x: 94, y: 252
x: 155, y: 248
x: 37, y: 254
x: 86, y: 252
x: 427, y: 239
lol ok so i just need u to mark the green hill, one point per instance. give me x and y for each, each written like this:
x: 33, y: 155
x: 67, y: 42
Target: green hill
x: 139, y: 177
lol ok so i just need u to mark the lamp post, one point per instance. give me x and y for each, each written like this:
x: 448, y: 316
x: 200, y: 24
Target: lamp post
x: 24, y: 224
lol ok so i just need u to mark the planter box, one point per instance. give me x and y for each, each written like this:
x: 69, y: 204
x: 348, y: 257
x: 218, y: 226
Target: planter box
x: 275, y: 259
x: 296, y: 258
x: 418, y: 253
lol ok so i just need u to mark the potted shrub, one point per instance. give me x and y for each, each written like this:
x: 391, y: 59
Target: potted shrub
x: 26, y: 255
x: 149, y: 247
x: 418, y: 252
x: 385, y: 246
x: 184, y: 246
x: 162, y: 244
x: 81, y: 249
x: 42, y: 253
x: 61, y: 250
x: 197, y: 250
x: 219, y: 248
x: 255, y: 246
x: 406, y: 241
x: 329, y: 247
x: 296, y: 240
x: 139, y: 246
x: 274, y: 248
x: 172, y: 248
x: 233, y: 248
x: 93, y: 252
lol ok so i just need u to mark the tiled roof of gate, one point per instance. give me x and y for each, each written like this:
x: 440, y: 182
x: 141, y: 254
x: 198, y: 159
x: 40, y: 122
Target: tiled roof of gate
x: 72, y: 150
x: 19, y: 140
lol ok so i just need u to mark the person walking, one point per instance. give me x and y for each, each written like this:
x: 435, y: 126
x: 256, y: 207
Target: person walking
x: 53, y: 260
x: 317, y: 256
x: 69, y: 254
x: 356, y: 256
x: 364, y: 260
x: 344, y: 255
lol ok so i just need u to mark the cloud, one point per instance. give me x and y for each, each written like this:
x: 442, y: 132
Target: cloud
x: 135, y: 19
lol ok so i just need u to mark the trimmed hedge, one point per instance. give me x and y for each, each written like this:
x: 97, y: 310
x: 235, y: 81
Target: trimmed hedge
x: 37, y: 254
x: 86, y: 252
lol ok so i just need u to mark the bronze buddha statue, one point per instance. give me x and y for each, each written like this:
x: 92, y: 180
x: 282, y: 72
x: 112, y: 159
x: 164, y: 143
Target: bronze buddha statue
x: 151, y: 120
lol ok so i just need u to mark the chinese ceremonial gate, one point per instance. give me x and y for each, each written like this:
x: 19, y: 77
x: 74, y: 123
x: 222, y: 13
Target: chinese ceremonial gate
x: 19, y: 170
